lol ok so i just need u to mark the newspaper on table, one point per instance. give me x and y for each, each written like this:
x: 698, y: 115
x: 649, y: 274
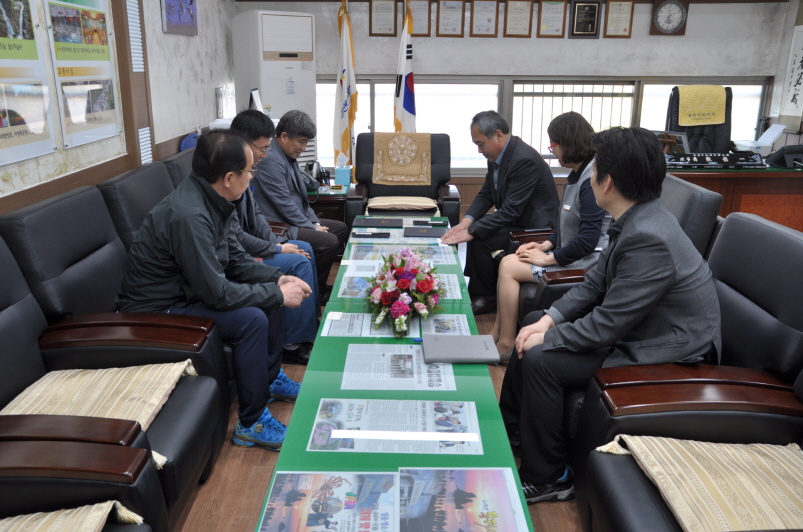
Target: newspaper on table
x: 454, y: 500
x: 454, y: 324
x: 451, y: 284
x: 407, y: 500
x: 325, y: 501
x: 356, y: 278
x: 356, y: 324
x: 397, y: 237
x: 390, y: 426
x: 394, y: 367
x: 436, y: 255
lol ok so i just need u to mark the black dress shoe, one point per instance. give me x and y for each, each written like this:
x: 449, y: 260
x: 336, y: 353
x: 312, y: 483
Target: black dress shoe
x: 325, y: 293
x: 299, y: 355
x: 483, y: 305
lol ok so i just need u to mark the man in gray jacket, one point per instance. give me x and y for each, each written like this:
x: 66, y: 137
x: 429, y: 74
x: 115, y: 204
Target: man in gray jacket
x: 650, y: 299
x: 186, y: 260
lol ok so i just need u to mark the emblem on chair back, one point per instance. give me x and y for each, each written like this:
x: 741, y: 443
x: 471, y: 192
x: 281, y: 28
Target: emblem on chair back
x: 402, y: 159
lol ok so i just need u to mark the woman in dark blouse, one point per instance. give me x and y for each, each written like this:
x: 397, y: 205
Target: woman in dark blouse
x: 577, y: 241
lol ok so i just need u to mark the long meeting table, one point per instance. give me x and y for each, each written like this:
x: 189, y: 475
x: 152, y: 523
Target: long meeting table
x: 441, y: 489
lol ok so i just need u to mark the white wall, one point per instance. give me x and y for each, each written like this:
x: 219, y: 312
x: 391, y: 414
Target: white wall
x: 184, y: 70
x: 721, y: 40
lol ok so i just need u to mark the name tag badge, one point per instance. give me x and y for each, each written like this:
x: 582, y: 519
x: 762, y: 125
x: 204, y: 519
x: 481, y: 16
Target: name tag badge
x: 567, y: 207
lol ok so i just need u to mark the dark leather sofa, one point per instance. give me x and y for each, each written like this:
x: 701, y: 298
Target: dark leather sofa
x: 749, y: 398
x: 446, y: 196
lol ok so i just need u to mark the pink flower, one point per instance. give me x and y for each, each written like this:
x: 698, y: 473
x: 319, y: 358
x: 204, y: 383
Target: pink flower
x: 420, y: 307
x: 433, y: 300
x: 399, y: 308
x: 376, y: 294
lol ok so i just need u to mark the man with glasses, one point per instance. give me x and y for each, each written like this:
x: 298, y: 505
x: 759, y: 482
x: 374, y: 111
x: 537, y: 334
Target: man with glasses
x: 185, y: 260
x: 280, y: 193
x: 521, y: 189
x: 293, y: 257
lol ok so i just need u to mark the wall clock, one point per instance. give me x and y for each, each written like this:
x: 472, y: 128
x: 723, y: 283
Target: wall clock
x: 669, y: 17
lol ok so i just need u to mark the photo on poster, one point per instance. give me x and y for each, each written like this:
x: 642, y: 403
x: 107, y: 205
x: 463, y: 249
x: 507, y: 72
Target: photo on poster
x: 23, y: 121
x: 15, y: 20
x: 93, y: 24
x: 79, y: 34
x: 88, y: 104
x: 66, y: 24
x: 455, y: 500
x: 330, y: 501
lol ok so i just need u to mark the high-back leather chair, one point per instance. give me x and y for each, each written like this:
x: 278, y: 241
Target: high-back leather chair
x: 749, y: 398
x: 184, y: 430
x: 131, y: 196
x: 702, y: 139
x: 179, y: 166
x: 446, y: 197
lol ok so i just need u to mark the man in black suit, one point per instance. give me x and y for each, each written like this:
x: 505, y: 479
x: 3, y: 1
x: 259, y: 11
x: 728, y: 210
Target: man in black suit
x: 520, y: 186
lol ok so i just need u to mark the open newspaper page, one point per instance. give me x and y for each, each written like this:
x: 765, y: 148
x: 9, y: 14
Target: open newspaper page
x: 358, y: 324
x: 388, y: 426
x: 356, y: 277
x: 455, y: 500
x: 341, y: 501
x: 451, y: 284
x: 394, y: 367
x: 454, y: 324
x: 396, y: 237
x: 435, y: 255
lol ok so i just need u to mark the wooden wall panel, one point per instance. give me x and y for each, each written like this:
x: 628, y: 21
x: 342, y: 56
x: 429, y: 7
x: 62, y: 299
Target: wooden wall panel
x: 783, y: 206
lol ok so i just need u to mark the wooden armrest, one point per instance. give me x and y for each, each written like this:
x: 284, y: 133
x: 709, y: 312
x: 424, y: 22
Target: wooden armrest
x: 677, y: 373
x: 565, y: 276
x: 449, y: 193
x: 74, y: 460
x: 683, y: 397
x: 69, y: 428
x: 527, y: 236
x: 120, y: 335
x: 279, y: 228
x: 152, y: 319
x: 357, y: 190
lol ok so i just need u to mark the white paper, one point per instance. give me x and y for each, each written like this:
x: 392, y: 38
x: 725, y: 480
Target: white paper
x: 358, y: 325
x: 792, y: 101
x: 451, y: 284
x: 619, y: 18
x: 552, y: 17
x: 453, y: 324
x: 356, y: 277
x: 392, y: 426
x: 434, y: 255
x: 394, y: 367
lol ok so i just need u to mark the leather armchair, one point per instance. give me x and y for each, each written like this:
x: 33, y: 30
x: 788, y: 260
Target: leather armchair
x: 131, y: 196
x: 184, y: 430
x: 179, y: 165
x: 749, y: 398
x: 695, y: 208
x: 446, y: 196
x: 702, y: 139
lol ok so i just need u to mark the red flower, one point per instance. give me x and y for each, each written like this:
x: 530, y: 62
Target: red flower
x: 424, y: 286
x: 386, y: 298
x: 404, y: 284
x: 398, y: 271
x: 395, y: 294
x: 414, y: 270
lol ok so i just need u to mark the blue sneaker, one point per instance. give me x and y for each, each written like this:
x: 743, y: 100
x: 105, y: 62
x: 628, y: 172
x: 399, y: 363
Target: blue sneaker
x: 267, y: 432
x: 284, y: 389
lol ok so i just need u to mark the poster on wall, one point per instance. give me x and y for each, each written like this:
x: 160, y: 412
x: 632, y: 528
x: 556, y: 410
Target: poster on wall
x: 25, y: 130
x: 792, y: 101
x: 85, y: 75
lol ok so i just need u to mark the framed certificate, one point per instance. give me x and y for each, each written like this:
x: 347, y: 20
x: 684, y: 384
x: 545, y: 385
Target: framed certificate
x: 383, y: 18
x: 619, y: 19
x: 484, y: 18
x: 519, y: 18
x: 422, y: 21
x: 451, y: 17
x: 585, y: 19
x: 552, y: 19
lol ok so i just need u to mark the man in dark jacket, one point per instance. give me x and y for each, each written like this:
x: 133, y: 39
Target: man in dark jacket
x: 650, y: 299
x: 293, y: 257
x: 520, y: 186
x: 185, y: 260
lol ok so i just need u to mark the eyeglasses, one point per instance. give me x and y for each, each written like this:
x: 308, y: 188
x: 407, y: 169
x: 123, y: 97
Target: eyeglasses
x: 252, y: 171
x: 263, y: 151
x: 551, y: 147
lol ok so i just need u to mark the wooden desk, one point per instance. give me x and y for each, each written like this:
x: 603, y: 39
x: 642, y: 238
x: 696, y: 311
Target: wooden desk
x: 775, y: 193
x: 330, y: 205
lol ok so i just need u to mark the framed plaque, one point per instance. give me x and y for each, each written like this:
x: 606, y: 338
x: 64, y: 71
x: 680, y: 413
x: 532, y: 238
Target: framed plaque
x: 519, y: 18
x: 383, y: 18
x: 451, y: 18
x: 585, y: 19
x: 619, y: 19
x: 552, y: 19
x: 484, y: 18
x: 422, y: 21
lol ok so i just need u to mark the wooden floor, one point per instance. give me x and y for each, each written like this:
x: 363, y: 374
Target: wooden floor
x: 231, y: 500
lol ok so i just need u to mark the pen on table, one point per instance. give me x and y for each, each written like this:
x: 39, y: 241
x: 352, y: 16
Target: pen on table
x: 419, y: 340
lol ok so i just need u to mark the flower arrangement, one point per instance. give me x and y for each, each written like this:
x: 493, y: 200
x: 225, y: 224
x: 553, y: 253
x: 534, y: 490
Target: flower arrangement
x: 404, y: 285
